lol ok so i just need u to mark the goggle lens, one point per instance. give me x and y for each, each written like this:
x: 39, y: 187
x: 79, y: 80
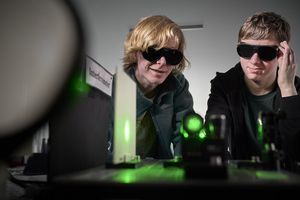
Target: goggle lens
x: 172, y: 56
x: 265, y: 53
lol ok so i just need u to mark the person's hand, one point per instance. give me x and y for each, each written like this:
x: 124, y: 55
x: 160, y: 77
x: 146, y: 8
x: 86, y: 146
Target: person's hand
x: 287, y: 70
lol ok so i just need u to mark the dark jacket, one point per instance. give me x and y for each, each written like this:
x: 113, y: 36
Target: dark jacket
x: 171, y: 103
x: 226, y: 97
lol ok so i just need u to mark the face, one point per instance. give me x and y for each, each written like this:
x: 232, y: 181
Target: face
x: 151, y: 74
x: 256, y: 68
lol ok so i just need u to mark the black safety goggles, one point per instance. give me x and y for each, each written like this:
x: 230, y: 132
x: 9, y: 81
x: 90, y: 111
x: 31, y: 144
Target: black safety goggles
x: 265, y: 53
x: 172, y: 56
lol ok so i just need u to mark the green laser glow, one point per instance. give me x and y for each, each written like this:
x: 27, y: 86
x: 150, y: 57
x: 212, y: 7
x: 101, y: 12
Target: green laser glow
x: 269, y: 175
x: 78, y: 84
x: 181, y: 128
x: 260, y: 131
x: 185, y: 135
x: 211, y: 128
x: 267, y: 147
x: 81, y: 87
x: 149, y: 173
x: 202, y: 134
x: 194, y: 124
x: 127, y: 130
x: 183, y: 132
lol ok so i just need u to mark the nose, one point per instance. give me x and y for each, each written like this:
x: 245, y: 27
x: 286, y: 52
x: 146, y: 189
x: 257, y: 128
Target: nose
x: 255, y: 58
x: 161, y: 61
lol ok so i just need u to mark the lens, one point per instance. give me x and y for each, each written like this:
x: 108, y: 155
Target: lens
x: 265, y: 53
x: 245, y: 51
x: 192, y: 126
x: 151, y: 54
x: 172, y: 56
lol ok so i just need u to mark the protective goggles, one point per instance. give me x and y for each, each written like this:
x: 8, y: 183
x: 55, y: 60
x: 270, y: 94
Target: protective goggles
x: 265, y: 53
x: 172, y: 56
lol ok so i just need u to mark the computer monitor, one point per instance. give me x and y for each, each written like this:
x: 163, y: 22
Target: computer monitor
x: 78, y: 128
x: 124, y: 140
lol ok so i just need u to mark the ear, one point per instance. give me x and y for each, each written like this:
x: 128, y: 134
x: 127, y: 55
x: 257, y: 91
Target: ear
x: 138, y: 55
x: 279, y: 57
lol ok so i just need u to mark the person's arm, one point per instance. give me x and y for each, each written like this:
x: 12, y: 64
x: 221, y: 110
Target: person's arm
x: 183, y: 104
x: 290, y: 102
x: 289, y: 127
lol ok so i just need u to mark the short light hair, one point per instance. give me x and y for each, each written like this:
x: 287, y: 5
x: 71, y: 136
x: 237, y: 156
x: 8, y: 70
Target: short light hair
x: 265, y: 25
x: 153, y: 30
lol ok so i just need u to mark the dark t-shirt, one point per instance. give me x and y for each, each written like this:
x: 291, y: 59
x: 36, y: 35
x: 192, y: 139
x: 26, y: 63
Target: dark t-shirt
x: 252, y: 106
x: 146, y: 137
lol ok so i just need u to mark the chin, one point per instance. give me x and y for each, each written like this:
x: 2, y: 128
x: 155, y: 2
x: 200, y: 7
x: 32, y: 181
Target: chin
x: 255, y: 79
x: 157, y: 80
